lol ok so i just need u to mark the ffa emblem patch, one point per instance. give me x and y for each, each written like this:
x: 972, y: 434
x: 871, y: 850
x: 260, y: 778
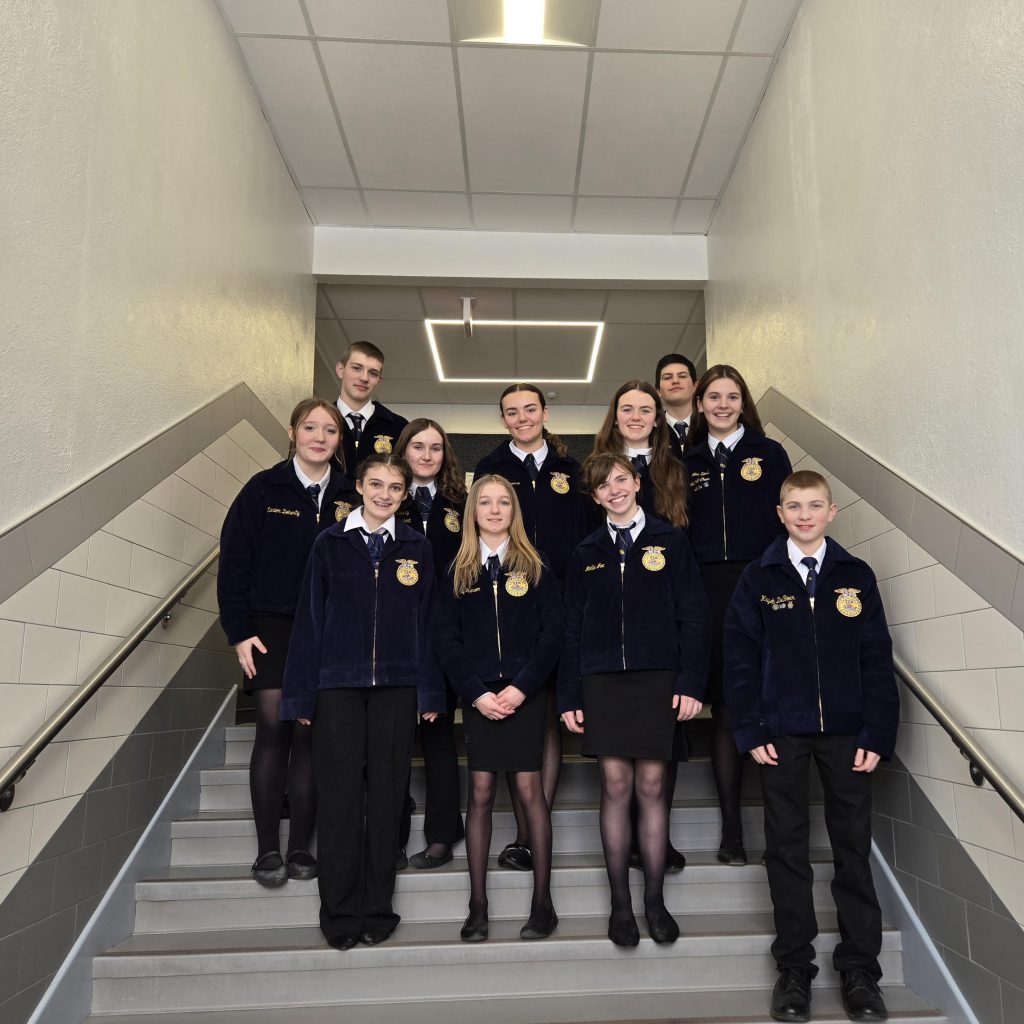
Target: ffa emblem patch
x: 560, y: 483
x: 382, y: 445
x: 653, y: 559
x: 406, y: 572
x: 751, y: 469
x: 451, y: 520
x: 848, y: 603
x: 341, y: 509
x: 516, y: 585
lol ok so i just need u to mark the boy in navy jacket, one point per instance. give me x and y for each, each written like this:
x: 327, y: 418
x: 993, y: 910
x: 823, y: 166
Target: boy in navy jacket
x: 809, y: 674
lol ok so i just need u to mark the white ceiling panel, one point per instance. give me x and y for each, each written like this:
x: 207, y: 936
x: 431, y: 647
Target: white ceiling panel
x: 402, y: 342
x: 336, y: 206
x: 560, y: 303
x: 764, y: 25
x: 667, y: 24
x: 693, y: 216
x: 522, y: 213
x: 420, y: 20
x: 413, y: 392
x: 491, y: 352
x: 553, y: 352
x: 330, y: 339
x: 402, y: 126
x: 418, y: 209
x: 294, y: 96
x: 266, y: 17
x: 633, y: 350
x: 644, y: 116
x: 639, y: 306
x: 624, y: 216
x: 523, y: 110
x: 489, y: 304
x: 374, y: 302
x: 739, y: 92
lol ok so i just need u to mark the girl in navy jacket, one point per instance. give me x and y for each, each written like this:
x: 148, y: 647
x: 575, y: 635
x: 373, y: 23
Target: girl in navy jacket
x: 358, y: 666
x: 265, y: 542
x: 435, y: 508
x: 735, y: 474
x: 498, y: 636
x: 634, y: 663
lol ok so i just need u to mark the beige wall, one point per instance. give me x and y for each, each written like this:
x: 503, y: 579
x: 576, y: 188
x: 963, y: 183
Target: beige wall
x: 155, y: 251
x: 868, y: 254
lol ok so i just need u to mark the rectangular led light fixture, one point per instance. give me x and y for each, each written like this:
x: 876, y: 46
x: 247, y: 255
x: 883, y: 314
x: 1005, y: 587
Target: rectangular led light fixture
x: 597, y: 325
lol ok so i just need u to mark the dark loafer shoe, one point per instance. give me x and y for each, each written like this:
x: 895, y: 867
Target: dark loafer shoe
x: 301, y: 865
x: 375, y: 934
x: 623, y: 931
x: 791, y: 997
x: 517, y: 857
x: 423, y: 861
x: 269, y: 870
x: 342, y: 943
x: 732, y: 855
x: 862, y: 998
x: 401, y: 860
x: 475, y: 928
x: 674, y: 861
x: 540, y: 925
x: 661, y: 925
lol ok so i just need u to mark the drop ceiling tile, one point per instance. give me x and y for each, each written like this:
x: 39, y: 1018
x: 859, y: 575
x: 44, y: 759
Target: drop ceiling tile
x: 323, y: 306
x: 341, y: 207
x: 294, y: 99
x: 560, y: 303
x: 667, y: 24
x: 523, y: 109
x: 413, y: 392
x: 330, y: 339
x: 693, y: 217
x: 374, y: 302
x: 490, y: 304
x: 739, y: 92
x: 522, y: 213
x: 490, y: 352
x: 418, y: 209
x: 478, y: 394
x: 650, y: 306
x: 632, y: 350
x: 402, y: 125
x: 418, y: 20
x: 558, y: 352
x: 266, y: 17
x: 764, y: 25
x: 564, y: 394
x: 403, y: 343
x: 624, y: 216
x: 644, y: 115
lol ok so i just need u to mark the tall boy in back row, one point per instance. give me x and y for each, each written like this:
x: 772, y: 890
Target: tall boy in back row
x: 809, y: 674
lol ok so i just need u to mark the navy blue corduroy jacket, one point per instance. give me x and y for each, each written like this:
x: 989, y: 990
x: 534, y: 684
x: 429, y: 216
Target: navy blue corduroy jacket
x: 735, y: 520
x: 792, y: 671
x: 265, y: 542
x: 487, y: 635
x: 638, y: 619
x: 380, y: 435
x: 444, y: 540
x: 555, y: 517
x: 354, y: 627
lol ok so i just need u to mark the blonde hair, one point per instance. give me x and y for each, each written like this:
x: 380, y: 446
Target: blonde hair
x: 520, y: 556
x: 804, y: 480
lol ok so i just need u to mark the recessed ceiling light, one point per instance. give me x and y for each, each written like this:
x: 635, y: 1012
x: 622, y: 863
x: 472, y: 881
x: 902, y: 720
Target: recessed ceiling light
x: 526, y: 22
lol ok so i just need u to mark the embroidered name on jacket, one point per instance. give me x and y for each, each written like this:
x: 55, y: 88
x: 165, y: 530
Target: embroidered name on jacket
x: 596, y: 565
x: 700, y: 479
x: 778, y: 603
x: 284, y: 511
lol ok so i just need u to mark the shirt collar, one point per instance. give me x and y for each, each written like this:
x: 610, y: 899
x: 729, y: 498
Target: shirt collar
x: 672, y: 421
x: 538, y: 456
x: 639, y: 521
x: 631, y: 453
x: 432, y: 487
x: 730, y: 442
x: 355, y: 521
x: 486, y: 552
x: 796, y: 556
x: 346, y: 410
x: 307, y: 482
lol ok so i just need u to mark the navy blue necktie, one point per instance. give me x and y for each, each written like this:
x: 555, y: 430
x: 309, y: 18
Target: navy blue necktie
x: 375, y: 545
x: 680, y: 429
x: 531, y: 467
x: 494, y: 567
x: 625, y: 534
x: 723, y: 455
x: 313, y: 490
x: 639, y: 464
x: 356, y: 419
x: 812, y: 574
x: 423, y: 502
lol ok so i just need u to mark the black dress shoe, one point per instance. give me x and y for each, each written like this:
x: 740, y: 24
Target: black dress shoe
x: 862, y: 998
x: 517, y: 857
x: 342, y: 942
x: 674, y: 861
x: 401, y: 860
x: 301, y: 865
x: 269, y: 870
x: 375, y: 934
x: 475, y: 928
x: 791, y: 997
x: 661, y: 925
x: 623, y: 930
x: 425, y: 861
x: 540, y: 925
x: 731, y: 854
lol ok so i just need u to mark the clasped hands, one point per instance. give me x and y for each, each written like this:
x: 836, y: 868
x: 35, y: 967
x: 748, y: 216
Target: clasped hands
x: 497, y: 706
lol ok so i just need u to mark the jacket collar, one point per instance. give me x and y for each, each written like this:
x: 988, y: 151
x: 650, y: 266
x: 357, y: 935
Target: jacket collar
x: 778, y: 555
x: 553, y: 462
x: 751, y: 440
x: 654, y: 528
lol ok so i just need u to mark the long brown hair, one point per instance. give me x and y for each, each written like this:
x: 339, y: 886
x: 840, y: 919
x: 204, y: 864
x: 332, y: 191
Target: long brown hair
x: 299, y: 414
x: 451, y: 483
x: 520, y: 556
x: 553, y: 440
x: 748, y: 412
x: 666, y: 471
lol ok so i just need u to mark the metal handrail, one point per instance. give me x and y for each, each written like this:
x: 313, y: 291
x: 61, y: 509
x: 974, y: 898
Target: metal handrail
x: 982, y: 767
x: 15, y: 769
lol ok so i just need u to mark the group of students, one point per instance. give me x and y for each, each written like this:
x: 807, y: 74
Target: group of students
x: 682, y: 564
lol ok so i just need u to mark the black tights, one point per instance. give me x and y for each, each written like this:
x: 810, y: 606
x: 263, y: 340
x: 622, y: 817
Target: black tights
x: 528, y: 789
x: 282, y: 755
x: 550, y: 771
x: 620, y: 778
x: 727, y: 766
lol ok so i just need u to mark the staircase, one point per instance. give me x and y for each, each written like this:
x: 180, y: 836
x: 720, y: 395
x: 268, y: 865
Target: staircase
x: 212, y: 947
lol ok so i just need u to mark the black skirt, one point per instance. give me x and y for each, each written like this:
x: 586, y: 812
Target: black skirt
x: 274, y: 631
x: 720, y: 579
x: 513, y: 744
x: 630, y: 714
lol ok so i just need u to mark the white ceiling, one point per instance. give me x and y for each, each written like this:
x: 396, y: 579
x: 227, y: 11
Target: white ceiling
x: 385, y: 121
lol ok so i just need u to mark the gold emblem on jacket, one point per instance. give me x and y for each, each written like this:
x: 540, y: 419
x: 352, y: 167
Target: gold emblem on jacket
x: 382, y: 444
x: 451, y: 520
x: 653, y: 559
x: 516, y: 584
x: 341, y: 510
x: 406, y: 572
x: 751, y: 469
x: 560, y: 483
x: 848, y: 603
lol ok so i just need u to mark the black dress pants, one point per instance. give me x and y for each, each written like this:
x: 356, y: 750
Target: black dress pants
x: 442, y: 817
x: 787, y: 832
x: 362, y: 742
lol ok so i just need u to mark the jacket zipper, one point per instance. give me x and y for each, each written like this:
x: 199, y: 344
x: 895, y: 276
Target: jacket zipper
x: 373, y: 670
x: 622, y: 607
x: 817, y: 670
x: 725, y: 539
x: 497, y: 624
